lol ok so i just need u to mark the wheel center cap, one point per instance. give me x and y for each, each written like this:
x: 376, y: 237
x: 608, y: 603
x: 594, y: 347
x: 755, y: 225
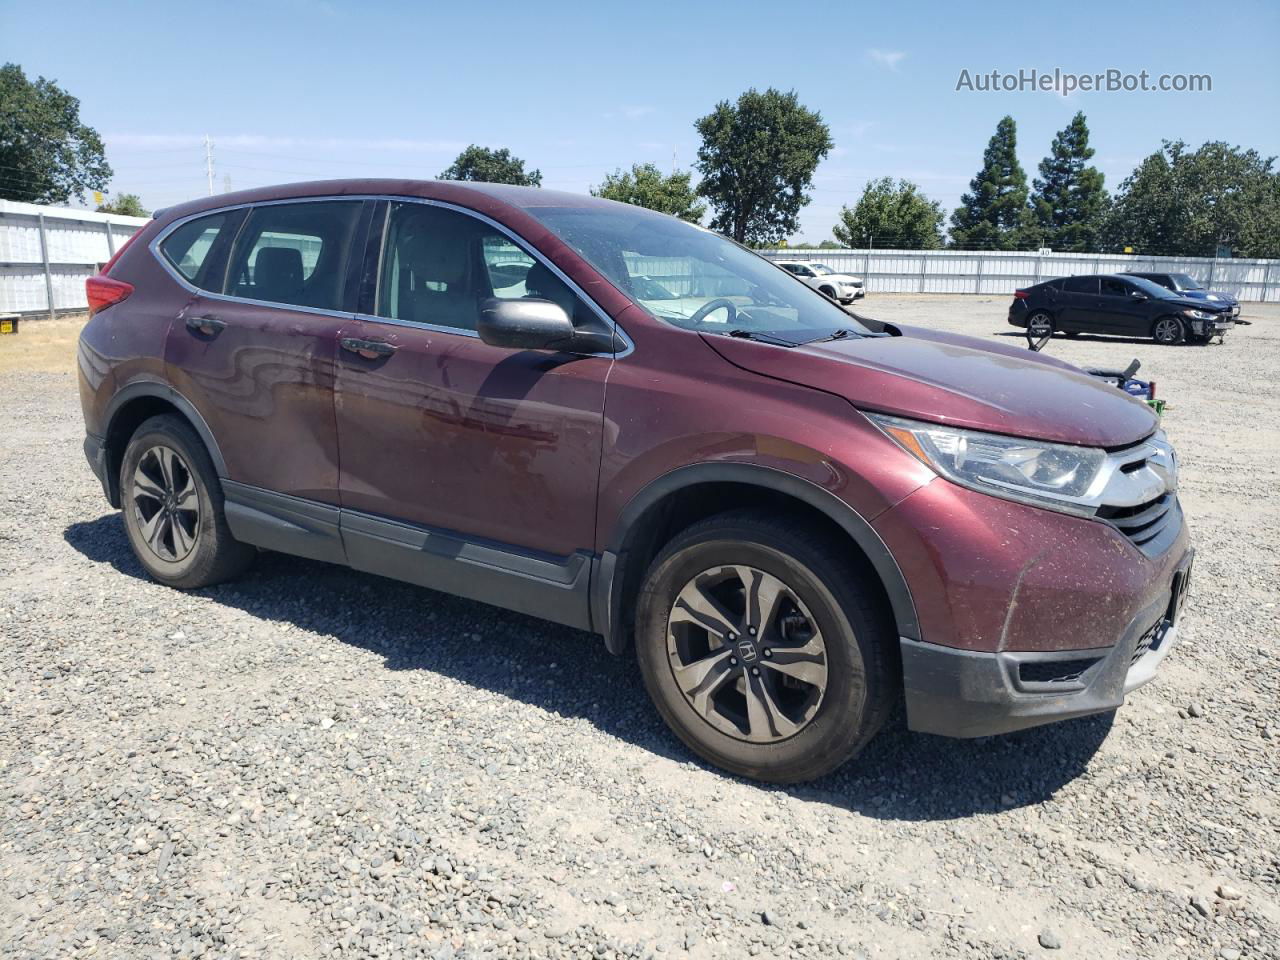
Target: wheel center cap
x: 746, y: 651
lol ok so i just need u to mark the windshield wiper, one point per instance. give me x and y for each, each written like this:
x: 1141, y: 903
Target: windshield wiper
x: 762, y: 337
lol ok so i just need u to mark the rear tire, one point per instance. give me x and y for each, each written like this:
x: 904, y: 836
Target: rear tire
x: 797, y: 671
x: 1168, y: 331
x: 173, y: 508
x: 1039, y: 324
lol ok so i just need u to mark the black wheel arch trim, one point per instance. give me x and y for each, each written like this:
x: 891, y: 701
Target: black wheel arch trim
x: 606, y: 585
x: 141, y: 389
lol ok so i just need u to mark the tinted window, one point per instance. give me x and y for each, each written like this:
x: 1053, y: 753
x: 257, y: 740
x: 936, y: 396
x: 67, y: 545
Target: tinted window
x: 1112, y: 287
x: 295, y: 253
x: 1080, y: 285
x: 438, y: 265
x: 188, y: 247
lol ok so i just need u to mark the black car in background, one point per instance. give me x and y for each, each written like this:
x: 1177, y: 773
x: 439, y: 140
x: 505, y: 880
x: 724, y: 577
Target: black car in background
x: 1123, y: 305
x: 1188, y: 286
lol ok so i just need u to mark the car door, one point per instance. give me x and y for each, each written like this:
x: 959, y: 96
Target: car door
x: 467, y: 467
x: 1077, y: 305
x: 1122, y: 307
x: 254, y: 353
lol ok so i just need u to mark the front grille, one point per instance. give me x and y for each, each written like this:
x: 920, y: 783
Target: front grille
x: 1142, y: 523
x: 1054, y: 671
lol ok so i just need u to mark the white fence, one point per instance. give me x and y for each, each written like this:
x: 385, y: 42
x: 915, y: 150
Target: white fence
x: 999, y: 273
x: 47, y: 252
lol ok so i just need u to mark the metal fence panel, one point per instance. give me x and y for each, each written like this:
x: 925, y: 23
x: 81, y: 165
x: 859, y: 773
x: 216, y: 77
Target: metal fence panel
x: 1000, y: 272
x: 73, y: 241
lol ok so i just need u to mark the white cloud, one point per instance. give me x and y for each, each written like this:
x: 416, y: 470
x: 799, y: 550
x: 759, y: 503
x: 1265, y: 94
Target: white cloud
x: 154, y: 141
x: 887, y: 58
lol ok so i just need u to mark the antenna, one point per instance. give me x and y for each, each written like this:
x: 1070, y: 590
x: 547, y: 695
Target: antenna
x: 208, y: 161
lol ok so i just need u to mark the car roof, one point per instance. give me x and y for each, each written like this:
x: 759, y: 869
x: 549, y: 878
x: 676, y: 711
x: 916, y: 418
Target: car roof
x: 466, y: 193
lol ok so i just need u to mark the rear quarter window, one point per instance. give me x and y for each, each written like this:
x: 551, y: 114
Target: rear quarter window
x: 188, y: 249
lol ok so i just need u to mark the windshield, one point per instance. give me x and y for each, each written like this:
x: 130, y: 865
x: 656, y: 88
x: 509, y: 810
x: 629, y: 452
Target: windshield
x: 1152, y: 289
x: 695, y: 279
x: 821, y: 269
x: 1184, y: 282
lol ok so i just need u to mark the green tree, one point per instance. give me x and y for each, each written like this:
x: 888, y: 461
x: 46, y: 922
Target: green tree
x: 1069, y: 199
x: 491, y: 166
x: 46, y: 154
x: 644, y: 185
x: 757, y: 159
x: 891, y: 214
x: 830, y: 245
x: 126, y: 205
x: 1186, y: 203
x: 993, y: 214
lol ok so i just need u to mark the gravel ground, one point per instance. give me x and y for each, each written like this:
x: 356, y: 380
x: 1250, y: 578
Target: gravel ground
x: 312, y: 762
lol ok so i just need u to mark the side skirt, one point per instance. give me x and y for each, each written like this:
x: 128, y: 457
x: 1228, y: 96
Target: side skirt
x: 540, y: 585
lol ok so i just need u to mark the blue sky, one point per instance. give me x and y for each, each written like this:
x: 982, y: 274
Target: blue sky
x: 305, y: 89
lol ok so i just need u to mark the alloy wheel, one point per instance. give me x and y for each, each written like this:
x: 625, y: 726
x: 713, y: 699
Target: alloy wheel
x: 165, y: 503
x: 747, y: 654
x: 1168, y: 330
x: 1040, y: 325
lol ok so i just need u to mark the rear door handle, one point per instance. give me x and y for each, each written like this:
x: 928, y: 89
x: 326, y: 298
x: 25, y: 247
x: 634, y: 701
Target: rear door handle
x: 208, y: 326
x: 369, y: 349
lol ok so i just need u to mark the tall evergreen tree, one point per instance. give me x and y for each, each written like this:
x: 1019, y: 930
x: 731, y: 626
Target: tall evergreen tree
x: 1069, y: 200
x: 993, y: 214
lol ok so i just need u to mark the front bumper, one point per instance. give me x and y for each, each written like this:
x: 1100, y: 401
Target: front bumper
x: 849, y: 296
x: 1211, y: 328
x: 965, y: 693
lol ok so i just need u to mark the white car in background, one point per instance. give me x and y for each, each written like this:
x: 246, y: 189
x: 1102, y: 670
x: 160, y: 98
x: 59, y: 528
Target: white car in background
x: 844, y: 287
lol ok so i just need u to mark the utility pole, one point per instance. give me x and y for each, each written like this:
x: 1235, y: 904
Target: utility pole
x: 208, y: 161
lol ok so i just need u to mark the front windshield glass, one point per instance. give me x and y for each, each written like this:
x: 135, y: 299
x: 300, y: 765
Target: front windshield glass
x: 821, y: 269
x: 1152, y: 289
x: 695, y: 279
x: 1184, y: 282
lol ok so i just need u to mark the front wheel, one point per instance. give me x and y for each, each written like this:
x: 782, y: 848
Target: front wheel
x: 765, y: 647
x: 173, y: 508
x: 1167, y: 330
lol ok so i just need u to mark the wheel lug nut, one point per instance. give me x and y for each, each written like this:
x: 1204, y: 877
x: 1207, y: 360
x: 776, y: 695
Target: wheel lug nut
x: 755, y: 671
x: 751, y: 630
x: 732, y: 638
x: 768, y: 652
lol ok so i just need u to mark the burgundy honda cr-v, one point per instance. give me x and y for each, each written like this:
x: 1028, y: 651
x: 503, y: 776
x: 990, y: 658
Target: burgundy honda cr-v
x: 612, y: 419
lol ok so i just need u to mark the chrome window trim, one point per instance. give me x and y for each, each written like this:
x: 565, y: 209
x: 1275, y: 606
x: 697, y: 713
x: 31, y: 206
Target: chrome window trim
x: 159, y: 238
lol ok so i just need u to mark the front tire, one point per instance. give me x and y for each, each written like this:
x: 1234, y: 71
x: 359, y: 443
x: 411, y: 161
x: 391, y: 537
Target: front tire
x: 765, y: 647
x: 1167, y: 331
x: 173, y: 508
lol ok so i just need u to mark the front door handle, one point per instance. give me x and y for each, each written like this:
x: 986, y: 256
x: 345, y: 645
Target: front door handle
x: 369, y: 349
x: 208, y: 326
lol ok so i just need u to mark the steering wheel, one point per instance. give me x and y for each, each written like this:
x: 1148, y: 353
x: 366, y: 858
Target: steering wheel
x: 711, y: 305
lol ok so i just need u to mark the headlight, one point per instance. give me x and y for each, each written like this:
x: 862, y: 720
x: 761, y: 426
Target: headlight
x: 1198, y: 314
x: 1053, y: 475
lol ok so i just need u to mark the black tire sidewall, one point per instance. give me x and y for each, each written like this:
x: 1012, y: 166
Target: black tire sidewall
x: 195, y: 565
x: 845, y: 719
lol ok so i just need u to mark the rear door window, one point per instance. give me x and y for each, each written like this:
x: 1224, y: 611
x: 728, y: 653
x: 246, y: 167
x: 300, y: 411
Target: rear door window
x: 189, y: 249
x: 295, y: 253
x: 1080, y: 285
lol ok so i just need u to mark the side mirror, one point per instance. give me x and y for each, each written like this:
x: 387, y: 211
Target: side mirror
x: 1137, y: 295
x: 525, y: 324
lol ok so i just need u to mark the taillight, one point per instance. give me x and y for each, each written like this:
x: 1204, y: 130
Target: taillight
x: 1020, y: 294
x: 102, y: 292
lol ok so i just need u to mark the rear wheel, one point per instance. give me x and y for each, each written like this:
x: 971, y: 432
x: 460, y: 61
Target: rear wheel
x: 173, y: 510
x: 1040, y: 324
x: 764, y: 648
x: 1167, y: 330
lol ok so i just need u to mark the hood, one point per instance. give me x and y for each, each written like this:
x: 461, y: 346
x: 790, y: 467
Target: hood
x: 1213, y: 296
x: 1197, y: 300
x: 962, y: 381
